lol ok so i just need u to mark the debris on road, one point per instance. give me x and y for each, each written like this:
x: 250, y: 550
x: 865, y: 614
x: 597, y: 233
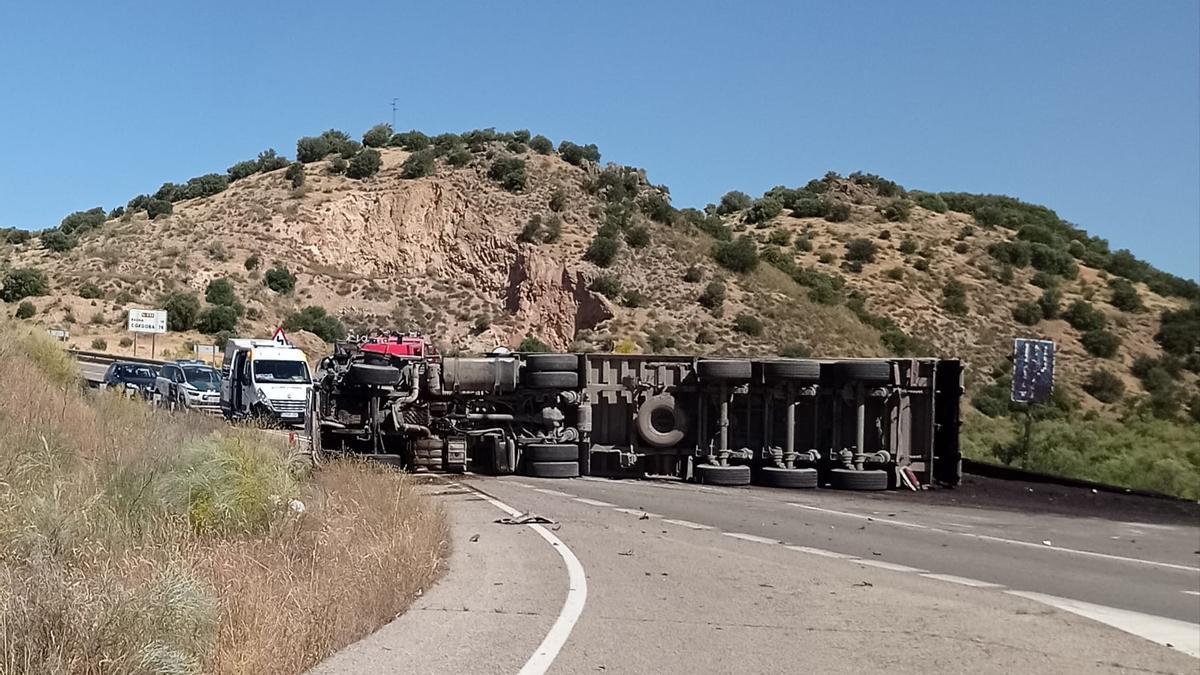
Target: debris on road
x: 525, y: 519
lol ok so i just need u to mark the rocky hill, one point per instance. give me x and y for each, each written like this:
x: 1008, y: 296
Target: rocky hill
x: 489, y: 239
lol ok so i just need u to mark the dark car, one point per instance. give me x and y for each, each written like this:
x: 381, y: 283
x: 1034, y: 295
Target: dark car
x: 134, y: 379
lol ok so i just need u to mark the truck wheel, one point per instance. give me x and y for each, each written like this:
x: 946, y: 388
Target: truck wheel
x: 714, y: 474
x: 552, y: 452
x: 660, y: 422
x: 542, y: 363
x: 849, y: 479
x: 553, y: 380
x: 795, y: 369
x: 864, y: 371
x: 773, y: 476
x: 723, y: 369
x: 372, y: 376
x: 553, y: 469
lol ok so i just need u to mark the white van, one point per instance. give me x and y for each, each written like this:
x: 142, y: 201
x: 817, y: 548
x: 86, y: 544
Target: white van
x: 265, y: 380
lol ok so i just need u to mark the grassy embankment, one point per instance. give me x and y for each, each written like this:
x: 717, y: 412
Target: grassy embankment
x: 134, y: 541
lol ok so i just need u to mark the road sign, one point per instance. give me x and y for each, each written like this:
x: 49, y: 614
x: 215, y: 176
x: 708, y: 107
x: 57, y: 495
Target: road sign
x: 1033, y: 370
x: 60, y: 335
x: 280, y: 338
x: 148, y: 320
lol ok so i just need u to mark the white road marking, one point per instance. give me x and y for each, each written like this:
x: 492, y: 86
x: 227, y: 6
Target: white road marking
x: 591, y: 502
x: 572, y: 607
x: 860, y: 516
x: 1190, y: 592
x: 751, y: 537
x: 556, y: 493
x: 964, y: 581
x: 636, y: 512
x: 821, y: 552
x: 1180, y: 635
x: 883, y: 564
x: 687, y: 523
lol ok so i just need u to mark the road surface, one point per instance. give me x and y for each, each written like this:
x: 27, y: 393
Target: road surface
x: 678, y: 577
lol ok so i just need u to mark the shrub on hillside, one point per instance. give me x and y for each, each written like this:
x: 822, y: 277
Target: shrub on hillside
x: 921, y: 264
x: 318, y: 322
x: 897, y: 210
x: 217, y: 319
x: 183, y: 308
x: 378, y: 136
x: 810, y: 207
x: 1028, y: 313
x: 509, y: 172
x: 269, y: 160
x: 252, y: 262
x: 418, y: 164
x: 837, y: 212
x: 637, y: 236
x: 928, y: 200
x: 578, y: 154
x: 693, y: 274
x: 1015, y: 253
x: 205, y: 186
x: 908, y: 246
x: 24, y: 283
x: 58, y: 241
x: 739, y: 255
x: 954, y: 298
x: 861, y: 250
x: 1101, y: 343
x: 242, y: 170
x: 82, y: 221
x: 338, y: 165
x: 608, y: 285
x: 364, y: 164
x: 280, y: 279
x: 533, y: 345
x: 763, y: 210
x: 1179, y: 331
x: 459, y: 157
x: 26, y: 310
x: 779, y: 237
x: 1052, y: 260
x: 1084, y: 317
x: 962, y: 247
x: 1104, y: 386
x: 541, y: 145
x: 158, y: 207
x: 714, y: 295
x: 11, y: 235
x: 539, y: 229
x: 169, y: 192
x: 657, y: 207
x: 732, y: 201
x: 295, y: 174
x: 410, y: 140
x: 220, y: 292
x: 89, y: 291
x: 314, y: 148
x: 602, y: 251
x: 633, y: 298
x: 1045, y: 280
x: 1049, y: 302
x: 1125, y: 296
x: 747, y: 324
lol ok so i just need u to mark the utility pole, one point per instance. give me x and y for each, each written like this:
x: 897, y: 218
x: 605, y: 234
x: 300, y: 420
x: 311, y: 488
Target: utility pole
x: 394, y: 113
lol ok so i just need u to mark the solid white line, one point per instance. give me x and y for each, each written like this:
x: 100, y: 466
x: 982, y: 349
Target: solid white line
x: 572, y: 607
x: 591, y: 502
x: 687, y: 523
x: 964, y: 581
x: 1191, y: 592
x: 751, y: 537
x: 883, y: 564
x: 1180, y: 635
x: 821, y: 552
x: 636, y: 512
x: 556, y: 493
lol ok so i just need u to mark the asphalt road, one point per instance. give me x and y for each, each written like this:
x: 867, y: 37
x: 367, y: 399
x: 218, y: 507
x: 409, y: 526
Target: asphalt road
x: 679, y: 577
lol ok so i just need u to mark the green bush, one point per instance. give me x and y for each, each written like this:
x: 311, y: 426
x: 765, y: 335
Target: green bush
x: 216, y: 319
x: 444, y: 143
x: 58, y: 241
x: 837, y: 212
x: 1028, y: 313
x: 1100, y: 343
x: 954, y: 298
x: 908, y: 246
x: 509, y: 172
x: 578, y: 154
x: 318, y: 322
x: 242, y: 170
x: 295, y: 174
x: 220, y: 292
x: 803, y: 243
x: 602, y: 251
x: 826, y: 258
x: 608, y: 285
x: 418, y: 164
x: 532, y: 345
x: 169, y: 192
x: 633, y: 299
x: 779, y: 237
x: 1052, y: 260
x: 1125, y: 296
x: 962, y: 247
x: 713, y: 296
x: 897, y: 210
x: 693, y: 274
x: 99, y: 344
x: 410, y: 140
x: 183, y: 308
x: 1104, y: 386
x: 205, y: 186
x: 928, y: 200
x: 810, y: 207
x: 732, y: 201
x: 158, y: 207
x: 895, y: 273
x: 541, y: 145
x: 750, y: 325
x: 338, y: 165
x: 11, y: 235
x: 1179, y: 331
x: 269, y: 160
x: 921, y: 264
x: 459, y: 157
x: 24, y: 283
x: 1015, y: 253
x: 861, y: 250
x: 26, y: 310
x: 558, y: 200
x: 539, y: 229
x: 82, y: 221
x: 763, y: 210
x: 252, y: 261
x: 795, y: 350
x: 825, y: 289
x: 1084, y: 317
x: 882, y: 186
x: 657, y: 207
x: 1045, y: 280
x: 739, y: 255
x: 637, y: 236
x: 364, y: 164
x: 378, y: 136
x: 89, y: 291
x: 1049, y: 302
x: 280, y: 279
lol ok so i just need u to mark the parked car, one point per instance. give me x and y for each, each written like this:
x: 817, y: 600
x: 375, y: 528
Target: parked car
x: 132, y: 379
x: 188, y: 385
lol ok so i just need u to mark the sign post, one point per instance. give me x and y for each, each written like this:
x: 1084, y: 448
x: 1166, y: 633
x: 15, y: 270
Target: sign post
x: 1032, y: 379
x: 152, y: 321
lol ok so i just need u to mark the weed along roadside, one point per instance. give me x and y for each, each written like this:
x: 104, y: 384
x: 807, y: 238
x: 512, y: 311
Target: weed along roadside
x: 133, y: 541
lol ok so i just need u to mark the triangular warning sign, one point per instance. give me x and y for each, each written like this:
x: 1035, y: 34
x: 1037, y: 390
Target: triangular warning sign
x: 281, y: 338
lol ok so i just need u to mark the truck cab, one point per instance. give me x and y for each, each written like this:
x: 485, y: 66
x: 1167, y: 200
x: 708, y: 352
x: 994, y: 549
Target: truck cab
x: 265, y: 380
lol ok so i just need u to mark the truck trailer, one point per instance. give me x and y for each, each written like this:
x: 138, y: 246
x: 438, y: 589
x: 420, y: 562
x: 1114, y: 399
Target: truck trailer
x: 859, y: 424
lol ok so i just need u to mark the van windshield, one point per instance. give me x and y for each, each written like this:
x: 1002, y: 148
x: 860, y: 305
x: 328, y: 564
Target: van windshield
x: 291, y: 372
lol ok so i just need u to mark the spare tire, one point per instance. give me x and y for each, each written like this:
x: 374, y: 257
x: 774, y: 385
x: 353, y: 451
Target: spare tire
x: 723, y: 369
x: 551, y: 452
x: 714, y: 474
x: 660, y: 422
x: 372, y: 376
x: 540, y: 363
x: 849, y: 479
x: 863, y: 371
x: 773, y: 476
x: 792, y: 369
x: 552, y: 380
x: 553, y: 469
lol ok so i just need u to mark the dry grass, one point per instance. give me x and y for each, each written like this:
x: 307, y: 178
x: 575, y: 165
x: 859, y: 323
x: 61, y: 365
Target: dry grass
x: 132, y: 541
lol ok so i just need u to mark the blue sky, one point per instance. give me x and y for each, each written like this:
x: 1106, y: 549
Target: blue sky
x: 1091, y: 108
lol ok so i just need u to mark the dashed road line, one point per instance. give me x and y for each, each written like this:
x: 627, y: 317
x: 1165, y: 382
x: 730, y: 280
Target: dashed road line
x: 636, y: 512
x: 860, y: 516
x: 885, y: 565
x: 962, y: 581
x: 1190, y: 592
x: 687, y: 523
x: 556, y: 493
x: 592, y: 502
x: 819, y: 551
x: 751, y: 537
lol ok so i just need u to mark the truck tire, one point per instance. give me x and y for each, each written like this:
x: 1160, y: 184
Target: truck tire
x: 553, y: 469
x: 372, y: 376
x: 791, y: 370
x: 849, y: 479
x: 723, y: 369
x: 714, y: 474
x: 552, y: 380
x: 863, y: 371
x: 542, y: 363
x: 660, y: 422
x: 773, y: 476
x: 552, y: 452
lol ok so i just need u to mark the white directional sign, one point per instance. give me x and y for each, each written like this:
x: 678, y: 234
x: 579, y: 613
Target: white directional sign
x: 148, y: 320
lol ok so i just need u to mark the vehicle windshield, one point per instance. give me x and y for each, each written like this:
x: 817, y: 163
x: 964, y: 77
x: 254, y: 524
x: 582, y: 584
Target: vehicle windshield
x: 136, y: 372
x: 202, y: 377
x: 291, y: 372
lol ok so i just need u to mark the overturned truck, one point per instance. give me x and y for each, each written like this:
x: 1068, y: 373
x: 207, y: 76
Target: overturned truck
x: 859, y: 424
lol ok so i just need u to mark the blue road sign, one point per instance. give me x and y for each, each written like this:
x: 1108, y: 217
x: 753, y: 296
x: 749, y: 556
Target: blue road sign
x: 1033, y: 370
